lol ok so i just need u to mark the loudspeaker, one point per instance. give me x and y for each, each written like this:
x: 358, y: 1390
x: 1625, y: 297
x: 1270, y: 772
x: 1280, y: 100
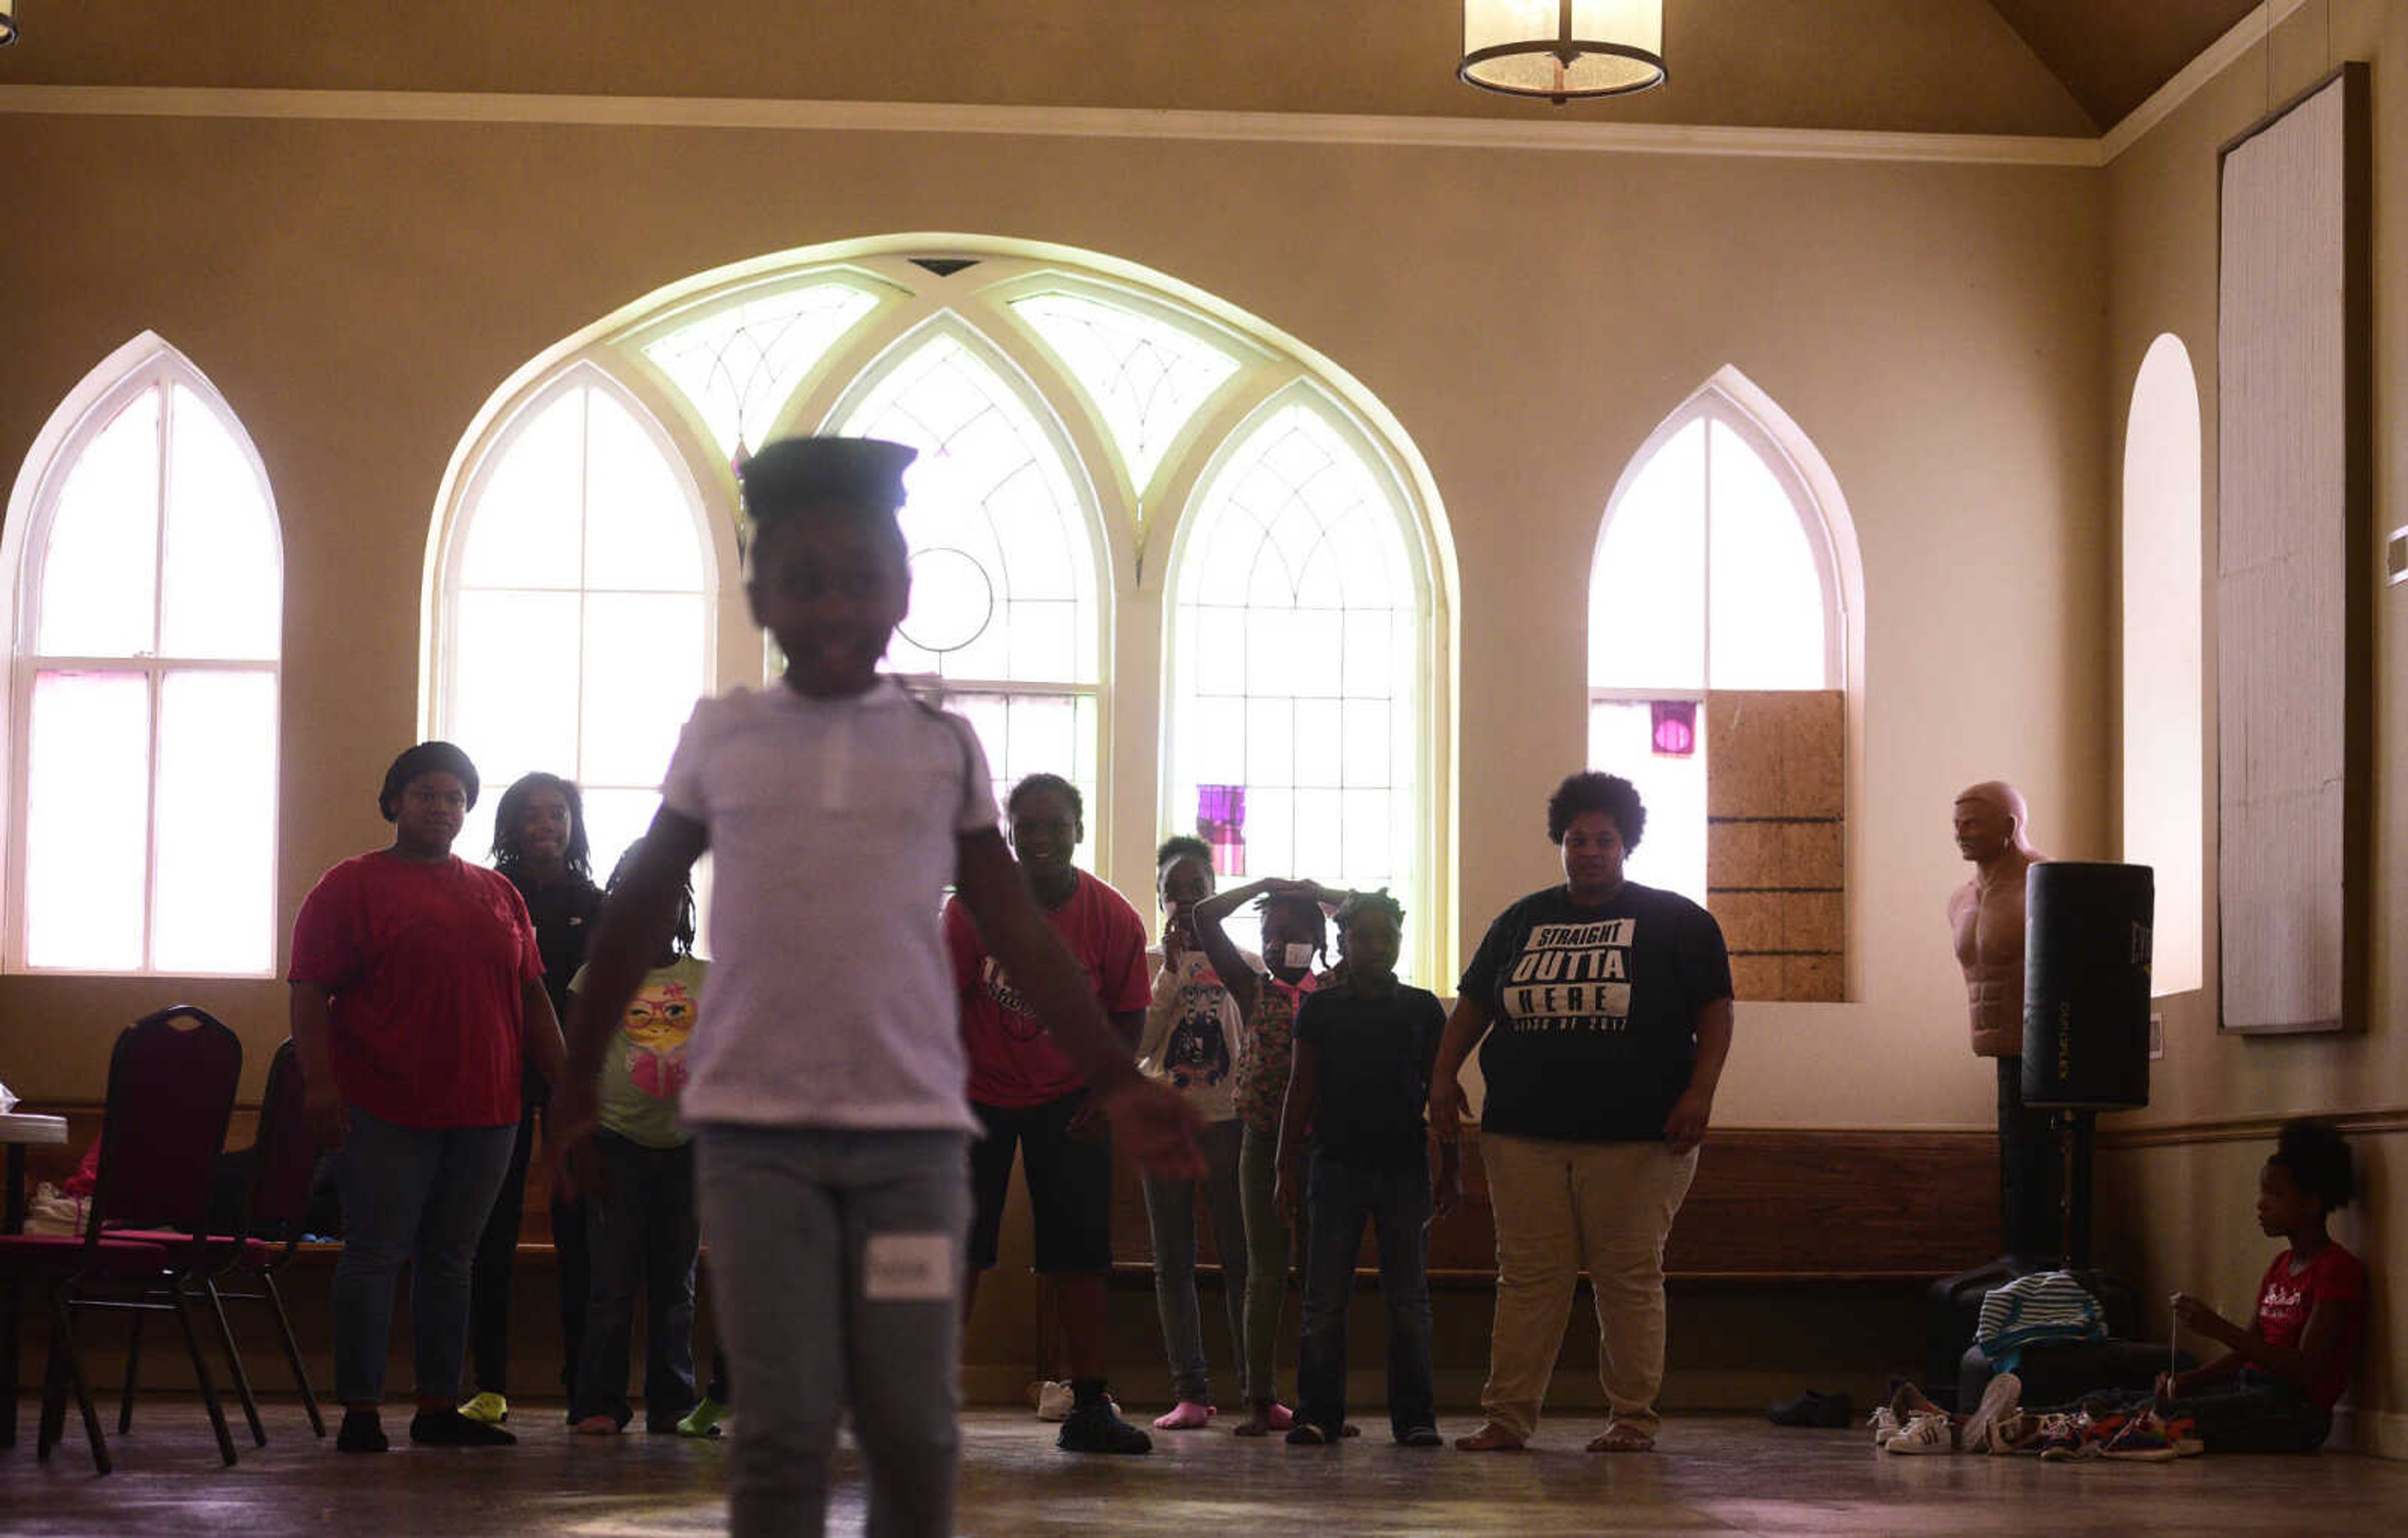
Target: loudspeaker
x: 2086, y: 985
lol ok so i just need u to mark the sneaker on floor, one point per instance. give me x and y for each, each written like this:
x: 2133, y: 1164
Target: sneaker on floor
x: 598, y: 1425
x: 1186, y: 1416
x: 1097, y: 1428
x: 2061, y: 1437
x: 1884, y: 1425
x: 2143, y: 1440
x: 451, y: 1429
x: 1925, y: 1433
x: 363, y: 1431
x: 2183, y: 1431
x: 1055, y: 1400
x: 1812, y: 1409
x: 489, y: 1409
x: 1420, y: 1436
x: 2001, y: 1395
x: 2017, y: 1432
x: 705, y: 1420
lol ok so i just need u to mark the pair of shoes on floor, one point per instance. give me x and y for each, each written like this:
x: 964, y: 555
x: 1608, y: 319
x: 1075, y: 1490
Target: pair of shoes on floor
x: 451, y: 1429
x: 1188, y: 1415
x: 2146, y: 1438
x: 2067, y: 1438
x: 1929, y: 1431
x: 1099, y: 1428
x: 487, y: 1408
x: 705, y: 1419
x: 1813, y: 1408
x: 2002, y: 1396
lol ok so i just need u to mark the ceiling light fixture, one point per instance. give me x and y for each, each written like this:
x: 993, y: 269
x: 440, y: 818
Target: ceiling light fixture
x: 1563, y: 49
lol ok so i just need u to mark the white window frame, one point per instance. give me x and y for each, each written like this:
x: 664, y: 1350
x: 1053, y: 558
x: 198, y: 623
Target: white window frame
x: 452, y: 537
x: 144, y: 363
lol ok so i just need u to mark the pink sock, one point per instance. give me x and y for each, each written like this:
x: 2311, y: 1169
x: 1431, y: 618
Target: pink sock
x: 1185, y: 1415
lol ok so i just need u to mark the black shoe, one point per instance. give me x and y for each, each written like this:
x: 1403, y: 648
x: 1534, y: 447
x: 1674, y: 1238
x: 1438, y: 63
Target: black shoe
x: 1813, y: 1409
x: 1304, y: 1434
x: 451, y: 1429
x: 1420, y: 1436
x: 1094, y: 1428
x: 363, y: 1433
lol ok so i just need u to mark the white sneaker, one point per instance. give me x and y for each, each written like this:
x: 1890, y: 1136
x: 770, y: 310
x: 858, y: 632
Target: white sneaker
x: 1885, y: 1426
x: 1925, y: 1433
x: 2003, y: 1394
x: 1053, y: 1400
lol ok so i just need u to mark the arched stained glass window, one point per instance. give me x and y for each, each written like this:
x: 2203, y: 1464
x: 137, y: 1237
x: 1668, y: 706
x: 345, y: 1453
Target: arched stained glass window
x: 1004, y: 608
x: 581, y: 587
x: 144, y: 702
x: 737, y: 366
x: 1296, y: 642
x: 1713, y: 572
x: 1146, y: 376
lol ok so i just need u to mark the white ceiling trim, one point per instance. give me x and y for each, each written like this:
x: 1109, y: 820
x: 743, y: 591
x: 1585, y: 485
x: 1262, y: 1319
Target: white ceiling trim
x: 1043, y: 121
x: 2217, y: 57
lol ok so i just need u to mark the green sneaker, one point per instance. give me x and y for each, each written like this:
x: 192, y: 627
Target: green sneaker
x: 705, y: 1419
x: 487, y: 1409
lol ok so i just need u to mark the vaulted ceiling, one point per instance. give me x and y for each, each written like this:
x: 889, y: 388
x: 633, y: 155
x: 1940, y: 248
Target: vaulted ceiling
x: 2113, y: 53
x: 1964, y: 67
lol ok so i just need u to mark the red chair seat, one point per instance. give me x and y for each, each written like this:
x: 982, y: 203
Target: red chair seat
x: 220, y: 1248
x: 121, y: 1256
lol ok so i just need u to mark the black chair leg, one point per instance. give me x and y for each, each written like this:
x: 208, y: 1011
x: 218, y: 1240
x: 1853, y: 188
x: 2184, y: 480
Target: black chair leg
x: 234, y: 1362
x: 201, y: 1372
x: 132, y: 1368
x: 51, y: 1424
x: 292, y: 1351
x: 62, y: 1321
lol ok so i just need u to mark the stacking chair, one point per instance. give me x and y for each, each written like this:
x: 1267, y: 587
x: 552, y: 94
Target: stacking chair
x: 171, y: 1089
x: 287, y: 1157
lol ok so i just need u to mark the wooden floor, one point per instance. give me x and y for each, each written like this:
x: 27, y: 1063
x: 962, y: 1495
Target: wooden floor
x: 1714, y: 1475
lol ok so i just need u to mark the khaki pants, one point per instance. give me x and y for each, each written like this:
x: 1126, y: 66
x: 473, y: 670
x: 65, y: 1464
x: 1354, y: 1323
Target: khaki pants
x: 1562, y: 1208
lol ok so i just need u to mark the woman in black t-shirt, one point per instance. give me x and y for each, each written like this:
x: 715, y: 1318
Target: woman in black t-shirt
x: 1610, y: 1009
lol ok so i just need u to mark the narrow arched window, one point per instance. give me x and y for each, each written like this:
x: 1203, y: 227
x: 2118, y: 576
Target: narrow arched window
x: 1717, y: 685
x: 1297, y: 644
x: 147, y: 632
x: 578, y: 587
x: 2164, y: 696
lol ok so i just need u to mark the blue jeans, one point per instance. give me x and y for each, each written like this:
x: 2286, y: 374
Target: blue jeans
x: 1171, y: 1215
x: 836, y: 1260
x: 641, y: 1230
x: 418, y: 1194
x: 1342, y: 1198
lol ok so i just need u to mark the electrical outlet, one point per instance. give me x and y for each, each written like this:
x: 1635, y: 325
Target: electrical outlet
x: 2157, y: 1037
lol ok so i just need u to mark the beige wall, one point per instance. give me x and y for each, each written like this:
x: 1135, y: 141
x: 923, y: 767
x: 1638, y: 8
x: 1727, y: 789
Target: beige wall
x: 2185, y: 1190
x: 357, y: 289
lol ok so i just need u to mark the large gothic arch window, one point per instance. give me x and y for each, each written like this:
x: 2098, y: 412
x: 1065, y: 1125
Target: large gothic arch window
x: 1093, y: 440
x: 147, y: 636
x: 1719, y: 679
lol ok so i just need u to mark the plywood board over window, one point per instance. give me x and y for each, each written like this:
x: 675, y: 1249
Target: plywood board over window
x: 2294, y: 578
x: 1776, y: 769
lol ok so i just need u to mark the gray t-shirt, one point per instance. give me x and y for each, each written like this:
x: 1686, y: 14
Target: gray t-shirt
x: 833, y: 828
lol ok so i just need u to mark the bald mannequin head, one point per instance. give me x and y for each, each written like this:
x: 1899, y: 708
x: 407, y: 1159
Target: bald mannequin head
x: 1990, y: 820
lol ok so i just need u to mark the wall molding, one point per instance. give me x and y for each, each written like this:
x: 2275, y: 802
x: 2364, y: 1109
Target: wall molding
x: 2218, y: 56
x: 746, y: 113
x: 2256, y: 1127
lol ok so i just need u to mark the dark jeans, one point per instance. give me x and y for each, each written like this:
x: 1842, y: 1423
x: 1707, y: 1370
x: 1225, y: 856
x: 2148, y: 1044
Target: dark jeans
x: 642, y: 1230
x: 1342, y: 1198
x: 413, y: 1194
x: 489, y: 1278
x: 2257, y: 1413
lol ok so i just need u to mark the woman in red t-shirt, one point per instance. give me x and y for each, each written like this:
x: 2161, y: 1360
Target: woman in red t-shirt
x: 417, y: 998
x: 2273, y: 1388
